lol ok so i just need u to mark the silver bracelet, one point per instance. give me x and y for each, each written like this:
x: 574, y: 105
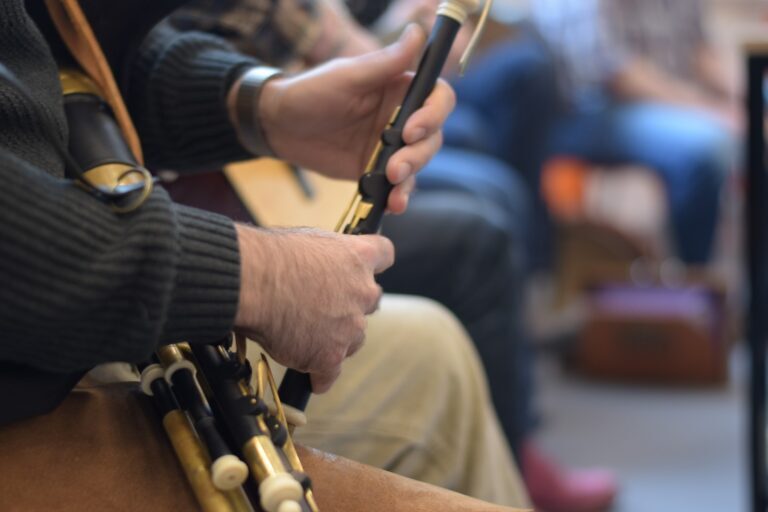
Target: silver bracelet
x: 246, y: 109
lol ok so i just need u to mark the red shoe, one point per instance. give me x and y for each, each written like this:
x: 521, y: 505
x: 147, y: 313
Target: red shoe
x: 555, y: 490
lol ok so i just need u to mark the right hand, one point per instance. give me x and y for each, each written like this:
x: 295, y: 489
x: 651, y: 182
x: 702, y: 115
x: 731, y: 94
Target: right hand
x: 304, y: 295
x: 330, y: 119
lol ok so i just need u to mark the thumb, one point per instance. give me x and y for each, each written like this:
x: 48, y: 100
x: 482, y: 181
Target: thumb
x: 377, y: 251
x: 391, y: 61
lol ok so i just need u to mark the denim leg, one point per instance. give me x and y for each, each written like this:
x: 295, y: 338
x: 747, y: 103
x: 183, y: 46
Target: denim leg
x: 689, y: 151
x: 499, y: 192
x: 469, y: 220
x: 447, y: 250
x: 513, y: 87
x: 467, y: 129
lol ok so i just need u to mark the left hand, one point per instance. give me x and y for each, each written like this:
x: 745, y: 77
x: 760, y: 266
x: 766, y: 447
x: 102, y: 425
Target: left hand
x: 331, y: 118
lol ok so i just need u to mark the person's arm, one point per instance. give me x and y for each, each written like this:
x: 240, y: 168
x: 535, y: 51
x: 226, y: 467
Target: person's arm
x: 631, y: 76
x: 176, y: 93
x: 280, y: 33
x: 82, y: 285
x: 640, y: 79
x: 715, y: 76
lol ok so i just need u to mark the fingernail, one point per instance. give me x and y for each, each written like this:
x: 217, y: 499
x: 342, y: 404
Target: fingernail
x: 403, y: 171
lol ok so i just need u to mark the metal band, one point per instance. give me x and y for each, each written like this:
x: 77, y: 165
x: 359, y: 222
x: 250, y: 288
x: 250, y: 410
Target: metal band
x: 458, y: 9
x: 247, y: 122
x: 75, y: 82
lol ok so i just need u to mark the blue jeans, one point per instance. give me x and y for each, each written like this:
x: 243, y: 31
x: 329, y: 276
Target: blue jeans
x: 689, y: 151
x: 518, y: 111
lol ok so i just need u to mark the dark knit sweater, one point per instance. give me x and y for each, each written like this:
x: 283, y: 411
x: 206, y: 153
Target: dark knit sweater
x: 79, y: 284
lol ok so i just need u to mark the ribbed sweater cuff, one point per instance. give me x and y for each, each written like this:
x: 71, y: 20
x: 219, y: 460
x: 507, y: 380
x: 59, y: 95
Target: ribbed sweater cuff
x: 186, y: 78
x: 207, y: 285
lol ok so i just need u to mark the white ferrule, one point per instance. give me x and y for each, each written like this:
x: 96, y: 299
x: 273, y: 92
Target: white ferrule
x: 294, y: 416
x: 279, y: 489
x: 148, y: 376
x: 181, y: 364
x: 228, y: 472
x: 459, y: 10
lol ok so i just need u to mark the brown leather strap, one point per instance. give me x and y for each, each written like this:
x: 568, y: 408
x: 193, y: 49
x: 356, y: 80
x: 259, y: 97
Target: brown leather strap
x: 74, y: 29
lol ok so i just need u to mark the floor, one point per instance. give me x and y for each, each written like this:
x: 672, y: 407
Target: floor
x: 675, y: 450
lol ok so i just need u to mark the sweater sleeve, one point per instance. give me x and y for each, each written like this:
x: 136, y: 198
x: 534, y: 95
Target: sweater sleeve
x: 82, y: 285
x: 177, y: 95
x: 278, y: 32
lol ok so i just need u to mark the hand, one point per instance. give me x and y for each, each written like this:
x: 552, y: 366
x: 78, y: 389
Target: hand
x: 304, y: 295
x: 330, y: 119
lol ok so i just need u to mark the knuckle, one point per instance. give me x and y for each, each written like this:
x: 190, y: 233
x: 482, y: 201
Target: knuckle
x: 373, y: 298
x: 366, y: 251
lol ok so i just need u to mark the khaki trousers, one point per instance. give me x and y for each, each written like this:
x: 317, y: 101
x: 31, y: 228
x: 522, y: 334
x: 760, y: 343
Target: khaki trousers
x: 414, y: 401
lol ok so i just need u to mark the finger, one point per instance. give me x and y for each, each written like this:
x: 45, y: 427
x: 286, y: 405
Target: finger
x: 398, y: 199
x: 322, y: 382
x: 383, y: 65
x: 409, y: 160
x: 431, y: 117
x: 378, y: 252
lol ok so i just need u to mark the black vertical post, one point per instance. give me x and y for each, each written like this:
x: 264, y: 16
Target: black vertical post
x: 756, y: 254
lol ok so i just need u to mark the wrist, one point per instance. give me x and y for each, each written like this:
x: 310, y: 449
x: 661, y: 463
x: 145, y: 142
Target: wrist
x: 250, y: 310
x: 248, y: 110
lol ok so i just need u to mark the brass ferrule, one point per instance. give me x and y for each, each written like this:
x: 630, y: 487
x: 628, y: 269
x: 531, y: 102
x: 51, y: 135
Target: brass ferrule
x: 263, y: 458
x: 170, y: 354
x: 76, y: 82
x: 196, y: 465
x: 362, y: 212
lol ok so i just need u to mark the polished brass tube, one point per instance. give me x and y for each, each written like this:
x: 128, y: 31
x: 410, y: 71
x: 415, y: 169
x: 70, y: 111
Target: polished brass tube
x: 196, y: 465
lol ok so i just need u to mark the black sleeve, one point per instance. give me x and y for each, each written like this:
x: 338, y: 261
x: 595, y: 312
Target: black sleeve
x: 177, y: 96
x: 81, y: 285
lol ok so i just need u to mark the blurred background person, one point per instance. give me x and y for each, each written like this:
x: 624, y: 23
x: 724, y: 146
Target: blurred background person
x: 638, y: 83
